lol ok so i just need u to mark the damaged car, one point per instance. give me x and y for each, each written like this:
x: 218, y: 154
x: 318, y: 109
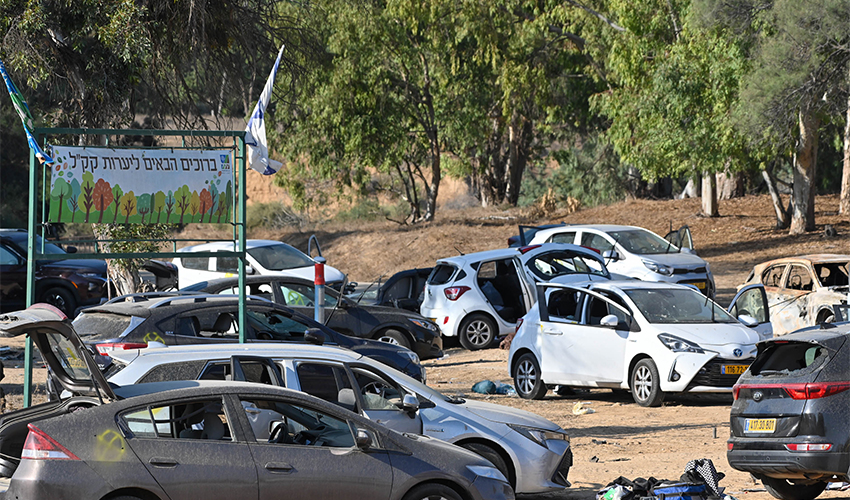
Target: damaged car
x: 802, y: 291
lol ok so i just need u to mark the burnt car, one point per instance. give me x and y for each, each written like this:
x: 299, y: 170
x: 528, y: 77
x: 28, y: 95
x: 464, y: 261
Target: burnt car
x: 66, y: 283
x: 387, y: 324
x: 802, y: 290
x: 403, y: 289
x: 789, y: 422
x: 180, y: 318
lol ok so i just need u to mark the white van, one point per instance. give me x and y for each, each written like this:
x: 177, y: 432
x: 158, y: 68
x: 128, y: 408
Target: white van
x: 265, y: 257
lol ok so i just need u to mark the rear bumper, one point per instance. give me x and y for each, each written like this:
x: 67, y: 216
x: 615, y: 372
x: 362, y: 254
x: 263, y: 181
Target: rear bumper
x: 429, y: 350
x: 781, y: 463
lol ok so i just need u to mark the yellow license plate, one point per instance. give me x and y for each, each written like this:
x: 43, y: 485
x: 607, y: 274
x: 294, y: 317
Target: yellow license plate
x: 699, y: 284
x: 760, y: 425
x: 733, y: 369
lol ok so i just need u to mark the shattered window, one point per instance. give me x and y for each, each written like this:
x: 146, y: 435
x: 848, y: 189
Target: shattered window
x: 832, y: 274
x: 773, y: 276
x: 785, y: 358
x: 799, y: 278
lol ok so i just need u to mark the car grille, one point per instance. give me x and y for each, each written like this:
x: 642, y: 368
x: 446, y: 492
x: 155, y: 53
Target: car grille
x: 679, y: 270
x: 711, y: 376
x: 563, y: 471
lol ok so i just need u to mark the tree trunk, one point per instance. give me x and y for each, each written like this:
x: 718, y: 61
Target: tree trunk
x: 803, y: 214
x: 781, y: 215
x: 690, y: 190
x: 709, y: 195
x: 730, y: 185
x: 844, y: 198
x: 520, y: 145
x: 434, y: 186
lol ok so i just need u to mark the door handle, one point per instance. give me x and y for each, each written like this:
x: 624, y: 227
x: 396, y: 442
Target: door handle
x: 279, y: 467
x: 553, y: 331
x: 163, y: 462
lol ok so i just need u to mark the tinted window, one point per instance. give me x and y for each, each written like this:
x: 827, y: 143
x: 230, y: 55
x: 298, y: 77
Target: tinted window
x: 323, y: 381
x: 200, y: 263
x: 184, y: 370
x: 272, y: 325
x: 295, y: 425
x: 7, y: 258
x: 399, y: 290
x: 104, y: 325
x: 596, y: 242
x: 441, y: 274
x: 227, y: 264
x: 598, y: 309
x: 567, y: 237
x: 642, y: 242
x: 204, y: 419
x: 564, y: 305
x: 279, y: 257
x: 254, y: 371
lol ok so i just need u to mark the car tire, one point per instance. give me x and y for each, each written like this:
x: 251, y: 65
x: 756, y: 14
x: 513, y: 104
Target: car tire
x: 528, y: 379
x: 825, y: 317
x: 784, y: 490
x: 477, y: 332
x: 432, y: 491
x: 61, y: 299
x: 392, y: 336
x: 646, y: 384
x: 493, y: 456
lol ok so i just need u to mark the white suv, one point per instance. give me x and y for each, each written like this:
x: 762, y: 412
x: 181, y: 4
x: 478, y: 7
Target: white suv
x: 265, y: 257
x: 638, y: 253
x: 480, y: 296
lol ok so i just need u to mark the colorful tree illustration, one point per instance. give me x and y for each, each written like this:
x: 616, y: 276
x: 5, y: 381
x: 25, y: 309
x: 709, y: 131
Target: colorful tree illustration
x: 206, y: 203
x: 144, y: 208
x: 117, y: 193
x: 224, y: 201
x: 213, y: 198
x: 86, y: 199
x: 194, y: 205
x: 102, y: 197
x: 61, y: 190
x: 128, y: 206
x: 72, y: 201
x: 169, y: 205
x: 158, y: 203
x: 184, y: 198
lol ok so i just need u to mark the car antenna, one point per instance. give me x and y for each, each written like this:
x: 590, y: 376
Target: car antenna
x: 338, y: 299
x: 458, y: 250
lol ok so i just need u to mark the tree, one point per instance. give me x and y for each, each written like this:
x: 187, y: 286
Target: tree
x: 169, y: 206
x: 102, y: 197
x: 158, y: 205
x: 72, y: 200
x: 86, y: 199
x: 61, y: 190
x: 205, y: 203
x: 194, y: 205
x: 184, y: 200
x: 128, y: 206
x: 144, y: 205
x: 117, y: 193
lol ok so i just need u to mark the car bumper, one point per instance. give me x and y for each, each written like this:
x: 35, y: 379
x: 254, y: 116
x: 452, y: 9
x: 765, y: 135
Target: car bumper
x: 429, y: 349
x: 540, y: 468
x: 71, y: 480
x: 487, y: 488
x: 694, y: 372
x: 770, y: 458
x: 445, y: 320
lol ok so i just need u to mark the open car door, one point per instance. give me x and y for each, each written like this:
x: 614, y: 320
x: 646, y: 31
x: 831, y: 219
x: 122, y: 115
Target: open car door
x: 681, y: 238
x: 751, y: 301
x: 255, y: 369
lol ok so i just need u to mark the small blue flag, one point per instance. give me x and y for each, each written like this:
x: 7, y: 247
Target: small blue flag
x: 26, y: 117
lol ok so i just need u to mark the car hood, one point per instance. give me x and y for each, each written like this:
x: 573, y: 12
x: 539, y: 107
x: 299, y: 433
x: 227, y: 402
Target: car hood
x: 675, y: 259
x: 506, y: 415
x: 91, y: 265
x: 712, y: 334
x: 74, y: 367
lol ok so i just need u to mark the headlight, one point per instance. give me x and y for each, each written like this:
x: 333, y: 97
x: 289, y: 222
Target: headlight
x: 424, y: 324
x: 539, y: 436
x: 658, y: 268
x: 90, y: 276
x: 677, y: 344
x: 488, y: 472
x: 412, y: 356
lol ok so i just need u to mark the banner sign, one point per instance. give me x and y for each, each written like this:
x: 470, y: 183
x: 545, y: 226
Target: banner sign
x: 135, y: 186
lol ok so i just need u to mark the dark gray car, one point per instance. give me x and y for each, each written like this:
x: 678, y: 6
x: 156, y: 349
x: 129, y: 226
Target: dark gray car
x: 790, y: 423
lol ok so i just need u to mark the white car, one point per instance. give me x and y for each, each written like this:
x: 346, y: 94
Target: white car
x: 532, y: 452
x: 637, y: 252
x: 651, y: 338
x: 265, y: 257
x: 480, y: 296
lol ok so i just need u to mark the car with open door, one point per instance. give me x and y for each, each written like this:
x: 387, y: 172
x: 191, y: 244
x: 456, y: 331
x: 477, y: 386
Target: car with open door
x: 342, y: 314
x: 789, y: 422
x: 403, y: 289
x: 532, y: 452
x: 649, y: 338
x: 637, y: 252
x: 480, y: 296
x: 226, y: 440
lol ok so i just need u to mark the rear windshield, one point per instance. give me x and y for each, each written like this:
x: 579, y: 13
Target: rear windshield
x: 793, y: 358
x: 280, y: 257
x: 101, y: 324
x: 441, y: 274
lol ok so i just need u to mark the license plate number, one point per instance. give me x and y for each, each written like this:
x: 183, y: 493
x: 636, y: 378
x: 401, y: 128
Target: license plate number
x: 760, y: 425
x: 733, y: 369
x: 700, y: 285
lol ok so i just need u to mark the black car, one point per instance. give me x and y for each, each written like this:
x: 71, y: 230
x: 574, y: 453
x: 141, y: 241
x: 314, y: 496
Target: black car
x: 387, y: 324
x: 790, y: 424
x: 403, y: 290
x: 193, y: 318
x: 67, y: 284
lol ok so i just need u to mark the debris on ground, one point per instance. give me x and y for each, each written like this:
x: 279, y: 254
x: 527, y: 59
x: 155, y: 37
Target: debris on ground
x: 579, y: 409
x: 490, y: 387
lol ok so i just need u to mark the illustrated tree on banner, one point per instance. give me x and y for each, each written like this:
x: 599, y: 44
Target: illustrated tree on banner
x: 102, y: 197
x: 87, y: 198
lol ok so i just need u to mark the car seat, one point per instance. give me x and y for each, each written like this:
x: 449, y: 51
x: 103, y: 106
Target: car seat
x: 213, y: 427
x: 222, y: 323
x: 598, y: 310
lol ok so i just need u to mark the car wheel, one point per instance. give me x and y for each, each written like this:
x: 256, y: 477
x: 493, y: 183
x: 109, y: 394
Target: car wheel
x: 785, y: 490
x: 527, y: 378
x: 825, y: 317
x: 432, y: 491
x: 477, y: 332
x: 60, y: 299
x: 646, y: 384
x: 394, y: 337
x: 491, y: 455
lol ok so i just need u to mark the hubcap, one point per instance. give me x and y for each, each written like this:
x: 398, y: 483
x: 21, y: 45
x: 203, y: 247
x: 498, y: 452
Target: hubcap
x: 389, y: 340
x: 526, y: 377
x: 56, y: 300
x: 478, y: 332
x: 643, y: 383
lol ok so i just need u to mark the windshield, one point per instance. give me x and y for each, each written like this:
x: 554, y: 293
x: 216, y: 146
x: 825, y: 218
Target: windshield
x: 559, y: 263
x: 279, y: 257
x: 642, y: 242
x: 678, y: 305
x: 413, y: 385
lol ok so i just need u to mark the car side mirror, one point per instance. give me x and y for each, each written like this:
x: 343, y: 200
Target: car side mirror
x: 249, y: 269
x: 363, y: 439
x: 314, y: 336
x: 70, y: 249
x: 410, y: 403
x: 748, y: 321
x: 610, y: 321
x: 611, y: 255
x: 690, y: 251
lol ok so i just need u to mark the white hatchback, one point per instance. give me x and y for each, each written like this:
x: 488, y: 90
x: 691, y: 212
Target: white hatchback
x: 651, y: 338
x: 265, y: 257
x: 480, y: 296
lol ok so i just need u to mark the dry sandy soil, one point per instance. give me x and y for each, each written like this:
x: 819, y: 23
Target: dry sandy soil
x: 620, y: 438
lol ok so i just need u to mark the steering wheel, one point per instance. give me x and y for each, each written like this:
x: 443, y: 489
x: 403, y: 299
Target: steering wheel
x: 280, y: 435
x: 264, y: 335
x: 375, y: 387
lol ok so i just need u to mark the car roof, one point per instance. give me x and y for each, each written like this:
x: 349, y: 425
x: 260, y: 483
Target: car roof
x: 160, y: 355
x: 515, y: 251
x: 189, y: 301
x: 601, y: 227
x: 631, y: 285
x: 227, y: 245
x: 812, y: 258
x: 261, y: 278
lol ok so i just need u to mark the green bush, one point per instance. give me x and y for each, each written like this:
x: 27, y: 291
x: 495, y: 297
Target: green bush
x: 271, y: 216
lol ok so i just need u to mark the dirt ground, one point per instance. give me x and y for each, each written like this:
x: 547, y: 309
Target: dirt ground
x: 619, y: 438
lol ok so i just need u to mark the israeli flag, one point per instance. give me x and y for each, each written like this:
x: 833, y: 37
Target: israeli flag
x: 26, y: 117
x: 255, y: 138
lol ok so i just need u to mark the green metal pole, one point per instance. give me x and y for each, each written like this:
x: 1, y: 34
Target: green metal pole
x: 31, y: 223
x: 243, y: 325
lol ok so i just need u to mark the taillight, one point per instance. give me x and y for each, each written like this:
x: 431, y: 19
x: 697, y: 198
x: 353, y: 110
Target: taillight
x: 107, y: 348
x: 808, y: 446
x: 523, y: 250
x: 735, y: 390
x: 518, y: 324
x: 40, y: 446
x: 813, y: 390
x: 454, y: 292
